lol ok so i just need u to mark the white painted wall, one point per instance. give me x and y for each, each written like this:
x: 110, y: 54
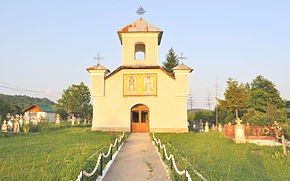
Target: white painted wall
x: 40, y: 114
x: 51, y: 117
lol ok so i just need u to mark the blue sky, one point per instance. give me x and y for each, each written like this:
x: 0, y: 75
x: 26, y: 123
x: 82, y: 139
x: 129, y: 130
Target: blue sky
x: 45, y: 46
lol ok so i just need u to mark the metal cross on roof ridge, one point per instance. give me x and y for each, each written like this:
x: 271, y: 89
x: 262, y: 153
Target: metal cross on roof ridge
x: 182, y: 57
x: 98, y: 58
x: 140, y: 11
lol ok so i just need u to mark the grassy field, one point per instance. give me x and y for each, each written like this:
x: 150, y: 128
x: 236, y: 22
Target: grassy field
x: 219, y: 158
x: 53, y: 155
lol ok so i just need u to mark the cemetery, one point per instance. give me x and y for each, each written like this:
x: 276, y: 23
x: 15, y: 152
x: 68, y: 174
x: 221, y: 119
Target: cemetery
x: 19, y: 124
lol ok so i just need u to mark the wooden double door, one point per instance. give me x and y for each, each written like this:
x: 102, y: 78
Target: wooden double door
x: 140, y: 119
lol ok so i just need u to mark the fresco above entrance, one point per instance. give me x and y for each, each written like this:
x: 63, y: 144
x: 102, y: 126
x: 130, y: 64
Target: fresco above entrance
x: 140, y: 84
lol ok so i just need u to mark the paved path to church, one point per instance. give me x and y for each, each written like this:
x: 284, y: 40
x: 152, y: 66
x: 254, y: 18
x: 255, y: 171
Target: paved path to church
x: 137, y: 160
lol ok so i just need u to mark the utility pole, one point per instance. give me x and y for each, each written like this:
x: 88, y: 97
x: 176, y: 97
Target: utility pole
x: 190, y: 100
x: 208, y: 99
x: 216, y: 105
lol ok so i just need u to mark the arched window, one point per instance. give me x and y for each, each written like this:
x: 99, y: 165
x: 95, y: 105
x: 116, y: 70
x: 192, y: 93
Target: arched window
x: 139, y: 51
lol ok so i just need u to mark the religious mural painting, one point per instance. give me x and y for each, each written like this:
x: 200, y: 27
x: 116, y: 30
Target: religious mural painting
x: 140, y: 84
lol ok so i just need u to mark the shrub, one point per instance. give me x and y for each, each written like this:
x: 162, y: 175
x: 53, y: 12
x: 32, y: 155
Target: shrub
x: 25, y: 128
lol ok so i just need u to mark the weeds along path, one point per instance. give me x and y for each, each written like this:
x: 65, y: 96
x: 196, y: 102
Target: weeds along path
x: 54, y: 155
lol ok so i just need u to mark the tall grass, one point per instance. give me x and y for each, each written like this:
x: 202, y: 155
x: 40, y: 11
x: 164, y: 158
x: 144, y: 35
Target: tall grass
x: 219, y: 158
x: 54, y: 155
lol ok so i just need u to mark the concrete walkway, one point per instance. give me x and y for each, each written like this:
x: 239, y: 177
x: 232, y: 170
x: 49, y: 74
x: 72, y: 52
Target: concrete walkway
x: 137, y: 160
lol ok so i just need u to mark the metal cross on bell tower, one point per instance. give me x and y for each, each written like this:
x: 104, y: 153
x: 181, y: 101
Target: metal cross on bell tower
x: 140, y: 11
x: 98, y: 58
x: 182, y: 57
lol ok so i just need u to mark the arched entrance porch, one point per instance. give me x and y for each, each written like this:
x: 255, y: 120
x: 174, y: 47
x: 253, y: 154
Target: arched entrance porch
x: 140, y: 119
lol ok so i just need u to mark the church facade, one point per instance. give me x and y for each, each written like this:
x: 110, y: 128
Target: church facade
x: 140, y: 96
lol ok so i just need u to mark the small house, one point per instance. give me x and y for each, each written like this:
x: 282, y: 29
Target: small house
x: 40, y: 113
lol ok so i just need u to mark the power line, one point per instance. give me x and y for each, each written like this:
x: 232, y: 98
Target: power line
x: 208, y: 99
x: 216, y: 106
x: 16, y: 88
x: 191, y: 100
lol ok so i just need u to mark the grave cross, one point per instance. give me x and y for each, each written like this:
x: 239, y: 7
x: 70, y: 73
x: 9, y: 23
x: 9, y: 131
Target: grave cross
x: 98, y: 58
x: 238, y: 121
x: 182, y: 57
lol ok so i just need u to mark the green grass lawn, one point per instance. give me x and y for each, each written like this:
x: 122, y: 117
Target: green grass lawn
x: 53, y: 155
x: 219, y: 158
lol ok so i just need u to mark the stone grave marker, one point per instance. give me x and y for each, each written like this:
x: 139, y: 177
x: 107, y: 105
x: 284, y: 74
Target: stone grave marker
x: 4, y: 126
x: 57, y: 119
x: 34, y: 121
x: 26, y: 119
x: 73, y: 120
x: 16, y: 126
x: 213, y: 127
x: 10, y: 123
x: 239, y: 132
x: 206, y: 128
x: 201, y: 126
x: 220, y: 128
x: 21, y: 120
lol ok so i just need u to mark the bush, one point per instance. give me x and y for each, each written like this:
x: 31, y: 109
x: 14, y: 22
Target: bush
x: 286, y: 129
x: 25, y: 128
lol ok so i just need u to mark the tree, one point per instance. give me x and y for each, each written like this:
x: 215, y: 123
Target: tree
x: 288, y: 108
x: 8, y: 108
x: 258, y: 100
x: 205, y: 116
x: 223, y: 116
x: 23, y: 101
x: 76, y: 98
x: 236, y: 97
x: 171, y: 61
x: 261, y: 86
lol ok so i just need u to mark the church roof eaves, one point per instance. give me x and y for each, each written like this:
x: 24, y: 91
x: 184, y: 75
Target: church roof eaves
x: 140, y: 26
x: 139, y: 67
x: 182, y: 67
x: 98, y: 67
x: 44, y: 108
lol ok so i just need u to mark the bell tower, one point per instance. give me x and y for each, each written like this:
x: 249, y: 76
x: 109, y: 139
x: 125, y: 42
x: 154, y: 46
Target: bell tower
x: 140, y: 42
